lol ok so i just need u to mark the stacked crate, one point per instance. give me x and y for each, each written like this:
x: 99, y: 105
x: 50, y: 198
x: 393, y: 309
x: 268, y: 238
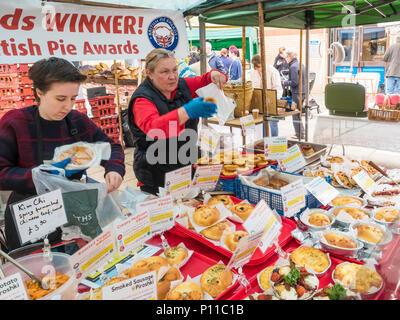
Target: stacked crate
x: 105, y: 115
x: 15, y: 87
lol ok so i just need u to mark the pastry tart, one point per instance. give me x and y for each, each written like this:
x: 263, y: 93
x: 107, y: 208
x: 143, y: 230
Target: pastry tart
x: 205, y: 215
x: 216, y: 231
x: 346, y: 200
x: 216, y: 279
x: 187, y: 290
x: 224, y: 199
x: 310, y: 257
x: 387, y: 214
x: 242, y: 210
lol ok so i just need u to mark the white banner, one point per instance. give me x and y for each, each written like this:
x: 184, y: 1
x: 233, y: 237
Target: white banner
x: 30, y: 32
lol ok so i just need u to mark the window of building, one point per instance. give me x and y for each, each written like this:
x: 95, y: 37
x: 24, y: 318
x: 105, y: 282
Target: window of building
x: 374, y: 44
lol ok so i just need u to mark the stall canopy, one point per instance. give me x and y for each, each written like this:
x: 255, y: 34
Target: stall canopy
x: 298, y: 14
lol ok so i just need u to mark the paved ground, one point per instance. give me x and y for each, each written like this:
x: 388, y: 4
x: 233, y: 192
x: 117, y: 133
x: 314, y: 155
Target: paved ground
x: 383, y: 158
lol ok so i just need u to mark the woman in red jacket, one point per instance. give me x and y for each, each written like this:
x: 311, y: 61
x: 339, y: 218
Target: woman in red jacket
x: 163, y: 117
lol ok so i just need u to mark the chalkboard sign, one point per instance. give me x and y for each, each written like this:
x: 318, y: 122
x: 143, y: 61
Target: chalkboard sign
x: 39, y: 216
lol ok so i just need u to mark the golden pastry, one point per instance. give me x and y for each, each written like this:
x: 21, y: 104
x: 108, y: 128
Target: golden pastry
x: 203, y: 161
x: 230, y: 167
x: 262, y: 163
x: 318, y: 219
x: 224, y: 199
x: 164, y: 284
x: 338, y: 240
x: 216, y: 279
x: 345, y: 200
x: 232, y: 239
x: 370, y: 169
x: 387, y: 214
x: 215, y: 232
x: 310, y: 257
x: 307, y: 149
x: 335, y: 159
x: 356, y: 213
x: 344, y: 179
x: 205, y: 215
x: 242, y: 210
x: 357, y: 277
x: 175, y: 255
x: 210, y: 99
x: 227, y: 173
x: 79, y: 155
x: 239, y: 162
x: 370, y: 233
x: 187, y: 290
x: 264, y: 278
x: 241, y: 170
x: 146, y: 265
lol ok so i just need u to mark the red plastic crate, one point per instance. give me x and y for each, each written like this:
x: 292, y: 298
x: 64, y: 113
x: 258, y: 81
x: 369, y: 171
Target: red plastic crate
x: 11, y: 104
x: 96, y: 120
x: 24, y: 79
x: 110, y: 120
x: 9, y: 80
x: 111, y: 129
x: 28, y: 101
x: 115, y: 137
x: 103, y: 111
x: 102, y: 101
x: 7, y: 92
x: 26, y: 91
x: 80, y: 106
x: 8, y: 68
x: 24, y: 67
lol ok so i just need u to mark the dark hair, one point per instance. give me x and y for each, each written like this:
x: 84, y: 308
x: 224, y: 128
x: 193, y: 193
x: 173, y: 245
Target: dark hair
x: 234, y: 50
x: 256, y: 60
x: 45, y: 72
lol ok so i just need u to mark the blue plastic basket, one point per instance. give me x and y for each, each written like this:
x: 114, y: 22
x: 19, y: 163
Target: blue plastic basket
x: 274, y: 200
x: 226, y: 185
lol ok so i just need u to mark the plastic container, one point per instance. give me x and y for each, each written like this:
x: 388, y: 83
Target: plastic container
x: 36, y: 264
x: 346, y: 252
x: 304, y: 220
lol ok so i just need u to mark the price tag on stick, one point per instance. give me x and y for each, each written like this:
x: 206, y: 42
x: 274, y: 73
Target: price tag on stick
x: 206, y: 177
x: 275, y: 148
x: 293, y: 198
x: 178, y: 182
x: 293, y: 161
x: 365, y: 182
x: 322, y: 190
x: 39, y: 216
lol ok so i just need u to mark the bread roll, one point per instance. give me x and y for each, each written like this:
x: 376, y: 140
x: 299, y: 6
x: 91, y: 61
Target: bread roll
x: 187, y: 290
x: 205, y: 215
x: 175, y: 255
x: 232, y: 239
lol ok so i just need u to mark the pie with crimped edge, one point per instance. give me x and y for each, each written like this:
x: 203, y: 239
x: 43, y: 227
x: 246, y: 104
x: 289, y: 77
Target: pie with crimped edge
x: 242, y: 210
x: 346, y: 200
x: 216, y: 279
x: 311, y: 258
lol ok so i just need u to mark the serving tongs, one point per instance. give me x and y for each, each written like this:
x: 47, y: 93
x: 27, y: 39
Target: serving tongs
x: 382, y: 172
x: 35, y: 278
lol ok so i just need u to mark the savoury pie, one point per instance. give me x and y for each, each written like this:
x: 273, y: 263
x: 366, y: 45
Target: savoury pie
x: 232, y: 239
x: 79, y: 155
x: 264, y: 278
x: 344, y: 179
x: 224, y: 199
x: 146, y: 265
x: 387, y: 214
x: 355, y: 213
x: 345, y: 200
x: 319, y: 219
x: 187, y: 290
x: 205, y: 215
x: 215, y: 232
x: 164, y: 284
x: 175, y: 255
x: 216, y: 279
x: 370, y: 233
x: 338, y: 240
x: 335, y: 159
x: 310, y: 257
x: 357, y: 277
x: 242, y: 210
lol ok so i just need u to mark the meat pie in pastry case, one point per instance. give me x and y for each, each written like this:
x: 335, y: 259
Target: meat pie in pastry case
x: 344, y: 179
x: 370, y: 233
x: 355, y: 213
x: 232, y: 239
x: 175, y: 255
x: 215, y: 232
x: 346, y: 200
x: 164, y: 284
x: 318, y: 219
x: 242, y: 210
x: 146, y: 265
x: 187, y: 290
x: 338, y: 240
x: 79, y: 155
x: 224, y: 199
x: 387, y: 214
x: 216, y: 279
x: 310, y: 257
x: 205, y: 215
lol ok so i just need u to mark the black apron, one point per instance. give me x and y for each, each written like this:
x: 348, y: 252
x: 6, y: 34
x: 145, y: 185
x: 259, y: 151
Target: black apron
x: 11, y: 232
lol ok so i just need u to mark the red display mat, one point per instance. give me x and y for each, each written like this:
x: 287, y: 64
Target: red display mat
x: 258, y: 257
x: 197, y: 264
x: 324, y: 281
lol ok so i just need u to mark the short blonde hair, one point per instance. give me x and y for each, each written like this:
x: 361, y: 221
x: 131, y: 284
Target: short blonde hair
x: 291, y: 54
x: 155, y: 55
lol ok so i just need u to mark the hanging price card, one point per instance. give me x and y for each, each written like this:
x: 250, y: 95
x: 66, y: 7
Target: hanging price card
x: 38, y: 216
x: 275, y: 148
x: 161, y: 211
x: 322, y: 190
x: 293, y: 160
x: 293, y: 198
x: 206, y: 177
x: 365, y: 182
x: 248, y: 124
x: 178, y: 182
x: 143, y: 287
x: 263, y: 218
x: 95, y: 253
x: 133, y: 232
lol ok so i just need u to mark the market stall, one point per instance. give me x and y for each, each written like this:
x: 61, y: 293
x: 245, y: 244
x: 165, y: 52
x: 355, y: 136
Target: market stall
x: 260, y: 223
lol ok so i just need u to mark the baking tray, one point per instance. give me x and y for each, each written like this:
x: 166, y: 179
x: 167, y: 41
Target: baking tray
x: 324, y: 281
x: 258, y: 257
x: 319, y: 149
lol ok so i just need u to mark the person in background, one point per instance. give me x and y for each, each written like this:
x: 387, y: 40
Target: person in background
x: 392, y: 58
x: 214, y: 60
x: 194, y: 55
x: 29, y: 136
x: 235, y: 70
x: 273, y: 82
x: 293, y: 82
x: 165, y: 110
x: 280, y: 60
x: 225, y: 59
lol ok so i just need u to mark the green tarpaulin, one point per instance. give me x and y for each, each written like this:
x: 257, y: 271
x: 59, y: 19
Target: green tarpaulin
x: 298, y: 14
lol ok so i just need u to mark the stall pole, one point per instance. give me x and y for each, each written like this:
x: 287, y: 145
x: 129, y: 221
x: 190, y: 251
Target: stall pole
x: 121, y: 133
x: 307, y: 78
x: 263, y: 66
x: 244, y: 75
x: 203, y: 56
x: 300, y: 106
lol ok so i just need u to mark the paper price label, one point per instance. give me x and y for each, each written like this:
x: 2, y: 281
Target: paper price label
x: 178, y: 182
x: 209, y: 140
x: 13, y: 288
x: 161, y: 212
x: 39, y: 216
x: 322, y: 190
x: 293, y: 160
x: 206, y: 177
x: 133, y: 232
x: 248, y: 124
x: 293, y: 198
x: 275, y: 148
x: 93, y: 254
x: 143, y: 287
x: 245, y: 250
x: 365, y: 182
x: 264, y: 219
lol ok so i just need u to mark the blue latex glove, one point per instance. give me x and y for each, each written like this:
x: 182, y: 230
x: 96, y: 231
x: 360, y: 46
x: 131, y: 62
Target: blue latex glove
x: 197, y: 108
x: 62, y: 164
x: 289, y: 100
